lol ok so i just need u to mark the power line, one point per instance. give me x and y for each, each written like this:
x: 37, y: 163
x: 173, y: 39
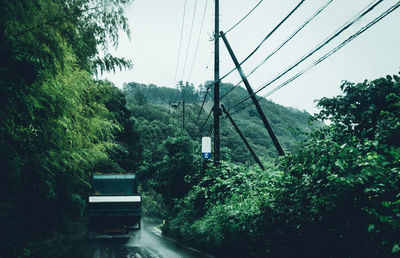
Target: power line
x: 190, y: 38
x: 334, y: 50
x: 180, y: 41
x: 259, y: 45
x: 347, y: 25
x: 236, y: 24
x: 262, y: 42
x: 211, y: 130
x: 198, y: 40
x: 201, y: 108
x: 272, y: 32
x: 282, y: 45
x: 269, y: 34
x: 202, y: 127
x: 246, y: 107
x: 180, y: 46
x: 205, y: 96
x: 331, y: 52
x: 202, y: 104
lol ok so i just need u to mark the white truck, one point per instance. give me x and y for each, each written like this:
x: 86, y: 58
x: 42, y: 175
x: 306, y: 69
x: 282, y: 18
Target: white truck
x: 114, y: 207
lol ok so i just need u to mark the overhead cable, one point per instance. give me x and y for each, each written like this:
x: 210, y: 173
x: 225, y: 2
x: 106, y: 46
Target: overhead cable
x: 180, y: 47
x: 272, y: 32
x: 201, y: 108
x: 180, y: 41
x: 331, y: 52
x: 262, y: 42
x: 282, y: 45
x: 244, y: 17
x: 334, y: 50
x: 190, y: 38
x: 204, y: 98
x: 246, y: 107
x: 347, y: 25
x: 205, y: 122
x: 198, y: 41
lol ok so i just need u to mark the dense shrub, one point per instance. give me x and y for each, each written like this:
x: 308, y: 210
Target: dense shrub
x: 338, y: 196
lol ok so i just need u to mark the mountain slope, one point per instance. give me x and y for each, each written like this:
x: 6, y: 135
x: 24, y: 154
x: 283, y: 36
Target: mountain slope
x: 289, y: 124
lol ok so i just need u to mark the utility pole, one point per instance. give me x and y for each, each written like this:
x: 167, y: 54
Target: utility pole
x: 216, y: 87
x: 253, y: 98
x: 255, y: 157
x: 183, y: 114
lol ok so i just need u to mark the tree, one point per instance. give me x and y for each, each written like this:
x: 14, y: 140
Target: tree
x: 347, y: 174
x: 56, y: 125
x: 140, y: 98
x: 336, y: 197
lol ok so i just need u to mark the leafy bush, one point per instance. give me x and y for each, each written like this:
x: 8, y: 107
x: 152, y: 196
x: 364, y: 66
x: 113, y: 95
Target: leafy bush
x: 57, y: 124
x: 338, y: 196
x: 221, y: 210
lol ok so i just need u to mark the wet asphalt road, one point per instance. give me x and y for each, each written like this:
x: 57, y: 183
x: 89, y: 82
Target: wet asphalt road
x: 149, y: 243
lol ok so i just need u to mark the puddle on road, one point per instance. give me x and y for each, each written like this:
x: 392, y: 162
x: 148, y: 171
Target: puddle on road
x: 151, y: 241
x: 146, y: 243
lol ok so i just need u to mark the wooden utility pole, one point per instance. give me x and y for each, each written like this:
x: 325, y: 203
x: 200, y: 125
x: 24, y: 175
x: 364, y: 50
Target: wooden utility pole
x: 216, y: 86
x: 253, y: 98
x: 255, y: 157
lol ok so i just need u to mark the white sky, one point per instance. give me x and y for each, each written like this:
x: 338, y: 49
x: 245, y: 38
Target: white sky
x: 156, y: 26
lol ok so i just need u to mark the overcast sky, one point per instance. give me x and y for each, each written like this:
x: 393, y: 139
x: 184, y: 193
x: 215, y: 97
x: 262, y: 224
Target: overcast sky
x: 156, y: 28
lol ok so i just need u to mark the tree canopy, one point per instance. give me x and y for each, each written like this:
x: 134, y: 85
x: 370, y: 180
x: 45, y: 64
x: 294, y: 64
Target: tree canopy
x: 58, y: 124
x: 336, y: 196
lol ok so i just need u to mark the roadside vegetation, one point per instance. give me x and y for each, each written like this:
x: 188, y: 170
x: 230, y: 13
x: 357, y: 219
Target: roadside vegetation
x: 338, y: 196
x: 57, y: 123
x: 335, y: 193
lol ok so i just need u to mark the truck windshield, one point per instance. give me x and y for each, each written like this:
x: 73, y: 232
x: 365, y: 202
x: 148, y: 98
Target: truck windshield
x: 113, y: 186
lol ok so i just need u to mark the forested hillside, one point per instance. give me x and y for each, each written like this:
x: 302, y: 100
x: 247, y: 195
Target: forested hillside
x: 337, y: 195
x: 334, y: 194
x: 289, y: 124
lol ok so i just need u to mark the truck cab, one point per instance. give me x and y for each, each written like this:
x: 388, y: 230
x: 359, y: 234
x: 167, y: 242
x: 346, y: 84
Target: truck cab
x: 114, y: 207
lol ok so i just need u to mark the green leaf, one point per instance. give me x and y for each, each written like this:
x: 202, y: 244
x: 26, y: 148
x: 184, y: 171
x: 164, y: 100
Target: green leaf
x: 396, y: 248
x: 340, y: 164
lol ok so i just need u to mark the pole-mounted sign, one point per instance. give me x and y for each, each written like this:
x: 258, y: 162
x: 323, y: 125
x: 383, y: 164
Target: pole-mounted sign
x: 206, y: 147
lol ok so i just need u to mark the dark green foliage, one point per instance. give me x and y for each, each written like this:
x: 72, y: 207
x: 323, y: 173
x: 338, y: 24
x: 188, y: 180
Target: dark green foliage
x: 290, y: 125
x: 140, y: 98
x: 221, y: 210
x: 128, y: 155
x: 57, y: 124
x: 334, y: 195
x: 153, y: 94
x: 350, y: 173
x: 167, y: 152
x: 177, y: 164
x: 171, y: 166
x: 338, y: 196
